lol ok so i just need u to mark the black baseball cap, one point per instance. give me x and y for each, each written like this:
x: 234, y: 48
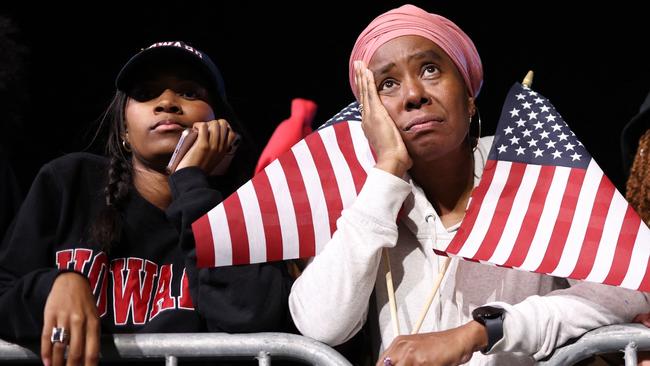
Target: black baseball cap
x: 174, y: 51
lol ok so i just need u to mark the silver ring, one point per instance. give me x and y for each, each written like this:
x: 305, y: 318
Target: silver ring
x: 59, y: 334
x: 388, y: 361
x: 360, y: 108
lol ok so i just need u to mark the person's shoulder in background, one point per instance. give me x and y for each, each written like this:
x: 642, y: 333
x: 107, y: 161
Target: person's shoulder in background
x: 635, y: 146
x: 632, y: 132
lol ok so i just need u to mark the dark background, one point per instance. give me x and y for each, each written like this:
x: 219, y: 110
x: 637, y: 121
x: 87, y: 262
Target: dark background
x: 590, y: 62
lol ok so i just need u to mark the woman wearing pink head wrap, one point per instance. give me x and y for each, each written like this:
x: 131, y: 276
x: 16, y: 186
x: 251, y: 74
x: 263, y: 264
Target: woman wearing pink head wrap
x: 416, y: 76
x: 411, y: 20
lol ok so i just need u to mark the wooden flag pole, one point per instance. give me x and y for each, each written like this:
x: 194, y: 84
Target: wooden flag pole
x: 391, y: 294
x: 434, y: 290
x: 528, y: 80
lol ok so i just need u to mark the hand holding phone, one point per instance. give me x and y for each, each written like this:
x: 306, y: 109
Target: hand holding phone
x: 224, y: 164
x: 186, y: 141
x: 188, y: 137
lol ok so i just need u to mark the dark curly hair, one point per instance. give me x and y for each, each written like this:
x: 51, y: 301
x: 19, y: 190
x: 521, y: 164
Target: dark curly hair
x: 638, y: 184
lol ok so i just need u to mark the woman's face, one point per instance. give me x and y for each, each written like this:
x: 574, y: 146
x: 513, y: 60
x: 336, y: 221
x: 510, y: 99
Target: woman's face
x: 425, y: 95
x: 160, y: 105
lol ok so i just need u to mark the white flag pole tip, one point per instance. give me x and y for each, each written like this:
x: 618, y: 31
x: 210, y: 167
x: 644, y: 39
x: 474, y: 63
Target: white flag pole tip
x: 528, y: 80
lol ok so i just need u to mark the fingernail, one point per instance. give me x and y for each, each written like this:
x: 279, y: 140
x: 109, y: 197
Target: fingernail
x: 46, y: 362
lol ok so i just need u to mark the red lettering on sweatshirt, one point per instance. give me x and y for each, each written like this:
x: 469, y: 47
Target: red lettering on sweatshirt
x: 81, y: 257
x: 163, y: 299
x: 185, y: 300
x: 78, y: 257
x: 132, y: 281
x: 97, y: 271
x: 132, y: 293
x: 63, y: 258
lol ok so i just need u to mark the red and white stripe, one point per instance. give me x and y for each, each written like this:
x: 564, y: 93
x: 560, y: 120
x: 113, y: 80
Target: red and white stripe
x: 290, y: 209
x: 562, y: 221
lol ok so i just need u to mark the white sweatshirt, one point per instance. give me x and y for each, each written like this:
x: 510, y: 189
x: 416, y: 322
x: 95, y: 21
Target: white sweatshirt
x: 329, y: 301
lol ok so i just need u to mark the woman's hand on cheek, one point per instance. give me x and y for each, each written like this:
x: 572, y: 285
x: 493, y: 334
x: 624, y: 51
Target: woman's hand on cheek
x: 213, y: 142
x: 379, y: 128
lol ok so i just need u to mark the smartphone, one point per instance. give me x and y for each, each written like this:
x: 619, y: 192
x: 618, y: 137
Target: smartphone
x: 186, y: 141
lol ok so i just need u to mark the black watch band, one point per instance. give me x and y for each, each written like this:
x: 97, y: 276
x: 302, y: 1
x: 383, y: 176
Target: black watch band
x: 492, y: 318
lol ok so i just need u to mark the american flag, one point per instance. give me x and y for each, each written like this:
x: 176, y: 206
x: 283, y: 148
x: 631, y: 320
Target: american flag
x: 544, y: 205
x: 289, y: 209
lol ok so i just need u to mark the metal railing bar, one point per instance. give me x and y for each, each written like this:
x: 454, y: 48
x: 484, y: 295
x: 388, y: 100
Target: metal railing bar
x: 200, y: 345
x: 608, y: 339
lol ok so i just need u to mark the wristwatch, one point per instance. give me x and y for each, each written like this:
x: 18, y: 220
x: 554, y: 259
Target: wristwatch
x: 492, y: 318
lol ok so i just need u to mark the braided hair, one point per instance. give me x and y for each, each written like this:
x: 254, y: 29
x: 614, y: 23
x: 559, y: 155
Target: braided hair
x: 638, y: 184
x: 106, y: 230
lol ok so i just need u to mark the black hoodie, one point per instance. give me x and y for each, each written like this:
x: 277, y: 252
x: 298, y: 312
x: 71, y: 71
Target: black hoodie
x: 149, y: 282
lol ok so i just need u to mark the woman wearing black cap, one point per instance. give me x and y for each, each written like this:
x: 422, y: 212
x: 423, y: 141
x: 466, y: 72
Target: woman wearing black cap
x: 105, y: 242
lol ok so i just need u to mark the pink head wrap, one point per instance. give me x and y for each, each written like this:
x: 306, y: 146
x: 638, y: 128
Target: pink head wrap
x: 409, y: 20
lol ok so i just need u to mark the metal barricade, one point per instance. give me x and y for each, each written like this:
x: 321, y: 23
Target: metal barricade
x: 172, y: 347
x: 624, y: 338
x: 265, y: 347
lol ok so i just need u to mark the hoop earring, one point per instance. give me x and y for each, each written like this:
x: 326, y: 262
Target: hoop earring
x: 126, y: 146
x: 478, y: 137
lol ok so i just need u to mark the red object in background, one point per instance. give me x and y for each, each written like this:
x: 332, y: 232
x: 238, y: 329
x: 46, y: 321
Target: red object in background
x: 289, y: 131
